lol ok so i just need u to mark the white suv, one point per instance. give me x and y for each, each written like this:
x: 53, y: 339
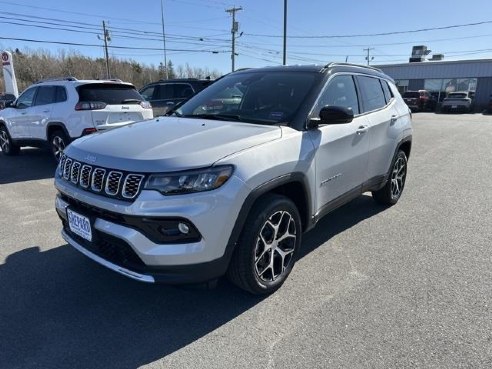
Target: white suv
x: 54, y: 112
x: 230, y: 181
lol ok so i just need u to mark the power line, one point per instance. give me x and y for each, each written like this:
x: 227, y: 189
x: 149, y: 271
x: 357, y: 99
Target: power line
x: 376, y: 34
x: 109, y: 46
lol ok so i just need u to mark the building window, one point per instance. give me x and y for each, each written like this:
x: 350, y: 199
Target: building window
x: 439, y: 88
x: 402, y: 85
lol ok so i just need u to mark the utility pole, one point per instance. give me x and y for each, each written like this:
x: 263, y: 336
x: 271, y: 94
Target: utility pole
x: 234, y: 29
x: 285, y: 33
x: 106, y: 37
x: 164, y: 42
x: 368, y: 57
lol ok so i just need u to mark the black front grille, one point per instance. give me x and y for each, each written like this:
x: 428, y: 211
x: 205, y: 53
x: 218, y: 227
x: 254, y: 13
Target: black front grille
x: 108, y: 182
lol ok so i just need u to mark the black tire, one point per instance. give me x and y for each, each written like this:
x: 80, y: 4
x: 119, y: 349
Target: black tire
x: 58, y: 142
x: 392, y: 190
x: 6, y: 144
x: 257, y: 267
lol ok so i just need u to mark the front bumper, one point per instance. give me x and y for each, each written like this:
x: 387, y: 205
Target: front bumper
x: 133, y: 252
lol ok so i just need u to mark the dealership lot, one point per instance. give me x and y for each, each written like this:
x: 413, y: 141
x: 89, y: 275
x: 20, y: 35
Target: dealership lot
x: 408, y: 286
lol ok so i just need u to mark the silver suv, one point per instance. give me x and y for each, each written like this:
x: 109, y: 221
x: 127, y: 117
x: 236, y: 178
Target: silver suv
x: 231, y: 180
x: 54, y: 112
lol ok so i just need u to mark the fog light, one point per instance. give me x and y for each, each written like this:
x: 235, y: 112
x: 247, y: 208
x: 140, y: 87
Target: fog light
x: 183, y: 228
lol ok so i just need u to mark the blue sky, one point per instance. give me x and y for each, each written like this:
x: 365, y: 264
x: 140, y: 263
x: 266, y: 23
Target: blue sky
x: 195, y: 29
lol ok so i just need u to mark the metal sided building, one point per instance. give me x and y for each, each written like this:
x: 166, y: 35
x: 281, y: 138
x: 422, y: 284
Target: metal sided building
x: 441, y: 77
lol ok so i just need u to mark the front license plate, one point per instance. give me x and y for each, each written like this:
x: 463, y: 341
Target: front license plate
x: 79, y: 225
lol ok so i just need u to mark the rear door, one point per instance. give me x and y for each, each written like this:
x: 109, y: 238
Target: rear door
x: 379, y: 105
x: 112, y: 104
x: 341, y: 157
x: 41, y: 111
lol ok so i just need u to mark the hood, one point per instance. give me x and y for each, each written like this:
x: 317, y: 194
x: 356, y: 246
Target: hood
x: 169, y: 144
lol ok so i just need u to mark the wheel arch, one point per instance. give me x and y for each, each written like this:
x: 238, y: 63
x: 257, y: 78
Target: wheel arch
x: 293, y: 186
x: 406, y: 146
x: 54, y: 126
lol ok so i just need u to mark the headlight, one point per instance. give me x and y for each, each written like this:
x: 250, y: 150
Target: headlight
x: 189, y: 181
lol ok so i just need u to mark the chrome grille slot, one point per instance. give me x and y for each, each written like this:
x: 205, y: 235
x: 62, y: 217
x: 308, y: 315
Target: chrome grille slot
x: 113, y: 183
x: 131, y: 186
x: 66, y: 169
x: 74, y: 173
x: 63, y: 158
x: 98, y: 179
x: 85, y: 176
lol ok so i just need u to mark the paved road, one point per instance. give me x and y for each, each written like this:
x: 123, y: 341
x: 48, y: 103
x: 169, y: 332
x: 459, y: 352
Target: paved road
x: 405, y: 287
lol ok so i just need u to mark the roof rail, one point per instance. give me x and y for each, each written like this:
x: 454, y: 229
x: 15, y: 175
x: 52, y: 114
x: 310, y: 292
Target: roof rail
x: 353, y: 65
x: 69, y: 78
x: 178, y: 79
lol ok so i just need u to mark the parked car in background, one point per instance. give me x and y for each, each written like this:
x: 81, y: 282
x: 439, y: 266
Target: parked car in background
x: 6, y: 99
x: 236, y: 175
x: 55, y: 112
x: 420, y: 100
x: 460, y: 101
x: 167, y: 93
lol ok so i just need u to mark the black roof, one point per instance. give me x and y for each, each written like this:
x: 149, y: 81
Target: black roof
x: 331, y: 67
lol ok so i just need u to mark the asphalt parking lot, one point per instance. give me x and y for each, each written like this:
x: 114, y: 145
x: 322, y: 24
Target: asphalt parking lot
x: 402, y: 287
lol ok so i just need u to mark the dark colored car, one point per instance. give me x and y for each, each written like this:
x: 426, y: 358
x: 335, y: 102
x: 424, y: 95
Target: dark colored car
x: 420, y: 100
x: 5, y: 99
x: 167, y: 93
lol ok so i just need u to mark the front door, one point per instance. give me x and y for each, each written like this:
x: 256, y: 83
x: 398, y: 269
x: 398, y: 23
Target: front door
x: 342, y: 149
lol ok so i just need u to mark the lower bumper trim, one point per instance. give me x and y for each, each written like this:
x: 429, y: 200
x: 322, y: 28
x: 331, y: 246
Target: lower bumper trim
x: 107, y: 264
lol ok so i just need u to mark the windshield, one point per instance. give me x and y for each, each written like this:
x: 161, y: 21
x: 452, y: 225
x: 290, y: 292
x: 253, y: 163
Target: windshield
x: 263, y: 97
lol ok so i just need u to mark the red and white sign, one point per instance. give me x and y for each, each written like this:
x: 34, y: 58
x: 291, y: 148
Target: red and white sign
x: 5, y: 58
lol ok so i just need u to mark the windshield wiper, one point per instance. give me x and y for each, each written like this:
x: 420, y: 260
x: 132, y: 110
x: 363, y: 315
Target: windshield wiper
x: 232, y: 117
x: 129, y: 101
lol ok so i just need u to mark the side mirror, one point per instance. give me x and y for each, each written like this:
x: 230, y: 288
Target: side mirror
x: 10, y: 104
x: 332, y: 115
x: 336, y: 115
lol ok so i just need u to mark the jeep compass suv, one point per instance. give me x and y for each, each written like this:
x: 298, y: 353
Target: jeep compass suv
x: 218, y: 189
x: 54, y: 112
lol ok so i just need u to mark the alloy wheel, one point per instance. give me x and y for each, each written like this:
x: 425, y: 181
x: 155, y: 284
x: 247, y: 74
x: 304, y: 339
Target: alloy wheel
x: 275, y: 246
x: 398, y: 177
x: 4, y: 141
x: 58, y: 145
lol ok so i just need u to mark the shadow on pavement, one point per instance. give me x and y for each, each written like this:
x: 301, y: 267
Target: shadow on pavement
x: 30, y: 164
x: 60, y: 309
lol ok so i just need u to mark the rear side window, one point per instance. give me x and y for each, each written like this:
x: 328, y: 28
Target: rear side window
x: 61, y: 94
x: 109, y: 93
x: 372, y: 93
x: 164, y: 92
x: 46, y: 95
x: 387, y: 92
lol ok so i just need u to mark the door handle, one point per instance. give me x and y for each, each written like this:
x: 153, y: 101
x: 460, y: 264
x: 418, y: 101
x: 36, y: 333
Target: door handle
x: 24, y: 113
x: 362, y: 129
x: 394, y: 118
x: 46, y: 111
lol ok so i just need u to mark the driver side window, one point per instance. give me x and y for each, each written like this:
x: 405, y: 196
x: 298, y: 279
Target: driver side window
x: 340, y: 91
x: 26, y: 99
